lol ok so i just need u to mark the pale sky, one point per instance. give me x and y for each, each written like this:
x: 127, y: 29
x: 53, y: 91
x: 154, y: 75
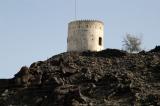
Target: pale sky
x: 33, y: 30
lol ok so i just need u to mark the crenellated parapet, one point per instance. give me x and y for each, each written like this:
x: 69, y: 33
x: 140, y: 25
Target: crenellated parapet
x: 94, y: 24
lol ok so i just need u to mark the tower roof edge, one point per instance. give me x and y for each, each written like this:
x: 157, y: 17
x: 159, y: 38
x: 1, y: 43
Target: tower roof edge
x: 87, y: 20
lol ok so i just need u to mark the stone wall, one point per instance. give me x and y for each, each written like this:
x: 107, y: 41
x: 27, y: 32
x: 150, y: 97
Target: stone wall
x: 85, y: 35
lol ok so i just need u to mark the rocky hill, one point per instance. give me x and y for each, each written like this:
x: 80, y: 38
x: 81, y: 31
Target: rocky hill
x: 107, y: 78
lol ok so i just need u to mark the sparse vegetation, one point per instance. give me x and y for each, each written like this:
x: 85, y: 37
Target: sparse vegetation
x: 132, y: 43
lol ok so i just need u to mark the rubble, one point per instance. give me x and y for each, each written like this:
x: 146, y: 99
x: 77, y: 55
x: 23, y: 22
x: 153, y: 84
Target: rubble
x: 105, y: 78
x: 156, y: 49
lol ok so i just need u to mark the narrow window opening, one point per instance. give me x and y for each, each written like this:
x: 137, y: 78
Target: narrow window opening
x: 86, y: 26
x: 100, y: 41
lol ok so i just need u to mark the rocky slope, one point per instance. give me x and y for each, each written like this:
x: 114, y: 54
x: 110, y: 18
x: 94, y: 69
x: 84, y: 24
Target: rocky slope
x: 107, y: 78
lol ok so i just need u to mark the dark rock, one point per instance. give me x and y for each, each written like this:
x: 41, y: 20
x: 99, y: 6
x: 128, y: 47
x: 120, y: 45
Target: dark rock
x: 107, y: 78
x: 156, y: 49
x: 22, y: 77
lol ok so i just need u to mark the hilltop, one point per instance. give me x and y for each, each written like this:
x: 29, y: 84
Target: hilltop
x: 107, y: 78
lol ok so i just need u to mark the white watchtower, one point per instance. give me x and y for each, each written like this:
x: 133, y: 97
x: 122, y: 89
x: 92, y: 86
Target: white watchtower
x: 84, y: 35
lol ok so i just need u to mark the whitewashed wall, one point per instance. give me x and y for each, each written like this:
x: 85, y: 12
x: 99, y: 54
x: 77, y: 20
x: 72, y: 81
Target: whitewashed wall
x: 84, y: 35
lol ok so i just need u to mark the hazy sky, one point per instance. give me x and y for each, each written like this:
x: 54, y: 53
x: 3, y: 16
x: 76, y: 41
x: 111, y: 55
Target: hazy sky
x: 33, y: 30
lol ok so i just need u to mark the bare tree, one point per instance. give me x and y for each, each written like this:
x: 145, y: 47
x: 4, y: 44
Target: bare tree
x: 132, y: 43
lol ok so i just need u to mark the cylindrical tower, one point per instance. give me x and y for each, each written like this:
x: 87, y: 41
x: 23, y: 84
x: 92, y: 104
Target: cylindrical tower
x: 84, y: 35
